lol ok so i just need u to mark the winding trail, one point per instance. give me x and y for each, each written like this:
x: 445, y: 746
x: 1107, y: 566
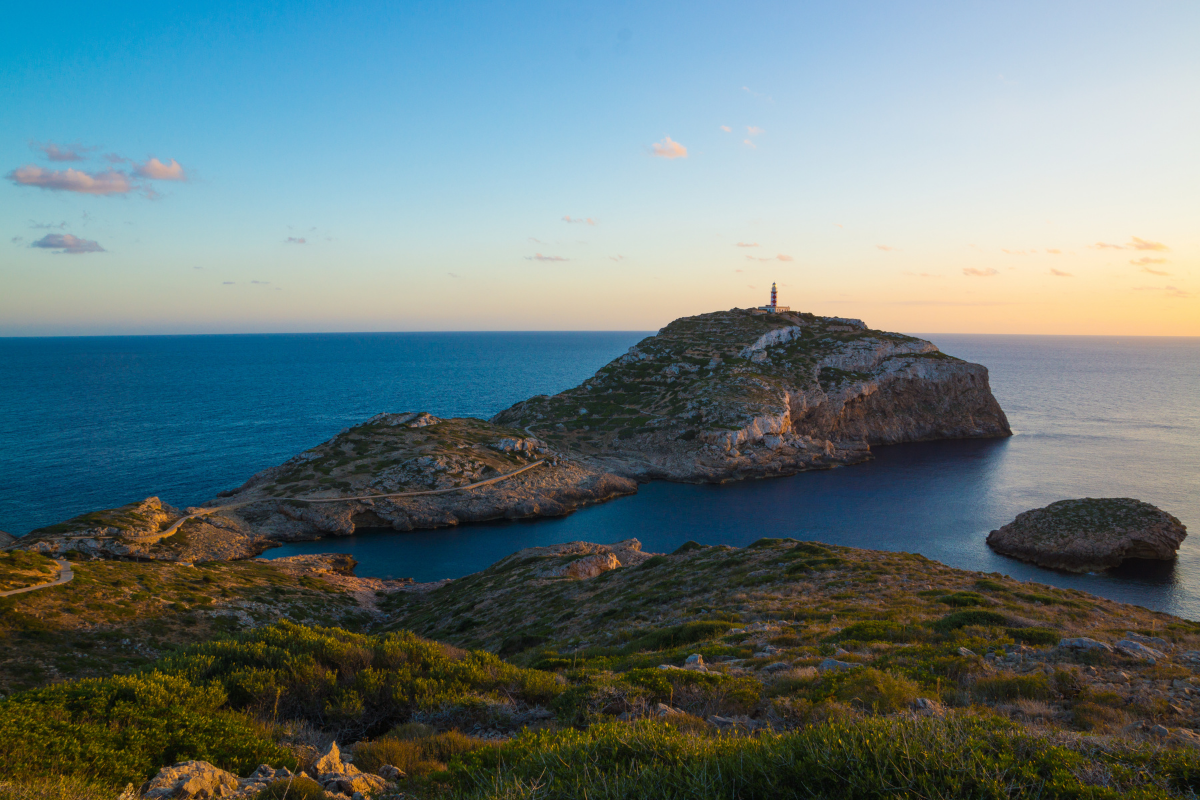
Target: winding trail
x: 65, y: 573
x: 201, y: 512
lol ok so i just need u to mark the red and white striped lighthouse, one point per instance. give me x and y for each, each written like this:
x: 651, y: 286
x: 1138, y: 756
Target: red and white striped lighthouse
x: 772, y: 295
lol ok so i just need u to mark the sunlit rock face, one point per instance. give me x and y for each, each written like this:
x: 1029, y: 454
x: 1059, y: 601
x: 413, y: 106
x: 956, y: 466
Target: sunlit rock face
x: 739, y: 393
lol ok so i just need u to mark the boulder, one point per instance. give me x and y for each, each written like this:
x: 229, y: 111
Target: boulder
x: 390, y: 773
x: 833, y: 665
x: 1090, y: 534
x: 190, y: 780
x: 330, y: 761
x: 1138, y: 650
x: 361, y: 782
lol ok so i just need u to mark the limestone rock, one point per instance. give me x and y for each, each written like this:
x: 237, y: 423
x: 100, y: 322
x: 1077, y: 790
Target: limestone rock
x: 330, y: 761
x: 390, y: 773
x: 1090, y: 534
x: 190, y: 780
x: 833, y: 665
x: 1138, y: 650
x: 6, y: 539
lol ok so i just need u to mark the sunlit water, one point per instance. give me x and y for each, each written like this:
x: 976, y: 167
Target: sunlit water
x: 91, y: 423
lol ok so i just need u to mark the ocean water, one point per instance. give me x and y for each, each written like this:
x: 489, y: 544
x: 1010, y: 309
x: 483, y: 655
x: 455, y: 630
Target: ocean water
x: 89, y: 423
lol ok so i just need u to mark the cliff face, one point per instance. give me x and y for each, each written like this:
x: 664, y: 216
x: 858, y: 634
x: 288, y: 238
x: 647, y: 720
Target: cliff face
x: 739, y: 393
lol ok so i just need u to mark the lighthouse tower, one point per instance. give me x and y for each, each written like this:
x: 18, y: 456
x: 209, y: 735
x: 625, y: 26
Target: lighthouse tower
x: 774, y: 308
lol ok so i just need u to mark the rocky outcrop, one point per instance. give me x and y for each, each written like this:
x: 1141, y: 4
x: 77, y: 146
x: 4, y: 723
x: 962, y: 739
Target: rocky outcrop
x: 200, y: 780
x: 739, y: 394
x: 143, y: 531
x: 1090, y: 534
x: 6, y: 540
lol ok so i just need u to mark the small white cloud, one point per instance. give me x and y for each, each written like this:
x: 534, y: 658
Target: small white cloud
x: 1169, y: 291
x: 747, y: 244
x: 616, y: 258
x: 72, y: 180
x: 750, y: 144
x: 540, y: 257
x: 782, y: 257
x: 754, y: 130
x: 1055, y: 252
x: 54, y: 152
x: 668, y: 148
x: 1059, y: 273
x: 295, y: 240
x: 887, y: 248
x: 726, y: 128
x: 579, y: 220
x: 980, y: 273
x: 1146, y: 260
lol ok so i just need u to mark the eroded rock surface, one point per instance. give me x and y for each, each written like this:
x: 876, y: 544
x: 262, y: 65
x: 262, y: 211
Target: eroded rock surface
x: 739, y: 393
x: 1090, y: 534
x: 6, y: 539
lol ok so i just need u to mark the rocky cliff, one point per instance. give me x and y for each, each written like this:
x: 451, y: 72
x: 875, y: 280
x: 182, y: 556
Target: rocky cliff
x: 741, y: 393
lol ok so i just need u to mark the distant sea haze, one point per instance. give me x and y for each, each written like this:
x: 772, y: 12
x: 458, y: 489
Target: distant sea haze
x: 88, y: 423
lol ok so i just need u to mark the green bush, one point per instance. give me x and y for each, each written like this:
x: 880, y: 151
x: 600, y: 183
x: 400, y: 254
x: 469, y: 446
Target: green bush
x: 964, y: 599
x: 678, y: 636
x: 1014, y: 687
x: 353, y: 684
x: 875, y: 690
x: 961, y: 619
x: 876, y: 631
x: 687, y: 547
x: 123, y: 729
x: 1035, y: 636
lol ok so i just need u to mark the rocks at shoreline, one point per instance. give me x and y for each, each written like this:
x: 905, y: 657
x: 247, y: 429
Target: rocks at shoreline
x: 737, y: 394
x: 6, y: 539
x: 1090, y: 534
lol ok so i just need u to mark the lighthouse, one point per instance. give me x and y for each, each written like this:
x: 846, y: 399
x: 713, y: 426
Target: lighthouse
x: 774, y: 308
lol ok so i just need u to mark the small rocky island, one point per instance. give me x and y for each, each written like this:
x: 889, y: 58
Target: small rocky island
x: 1090, y: 534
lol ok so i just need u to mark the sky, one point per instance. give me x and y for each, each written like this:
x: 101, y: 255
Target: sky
x: 970, y: 167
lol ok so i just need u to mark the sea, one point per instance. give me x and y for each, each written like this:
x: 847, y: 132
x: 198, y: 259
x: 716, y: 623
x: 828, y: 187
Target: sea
x: 96, y: 422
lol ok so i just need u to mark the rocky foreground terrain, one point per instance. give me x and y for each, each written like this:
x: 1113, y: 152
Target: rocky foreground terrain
x: 741, y: 393
x: 783, y: 669
x: 1090, y: 534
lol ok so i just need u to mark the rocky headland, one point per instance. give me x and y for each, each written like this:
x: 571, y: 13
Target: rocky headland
x: 742, y: 393
x: 716, y: 397
x: 1090, y: 534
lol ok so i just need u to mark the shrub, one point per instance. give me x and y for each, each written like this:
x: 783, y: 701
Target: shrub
x: 297, y: 788
x: 122, y: 729
x: 961, y: 619
x: 1035, y: 636
x: 1014, y: 687
x: 964, y: 599
x: 687, y: 547
x: 652, y: 562
x: 875, y: 631
x: 415, y: 749
x: 875, y: 690
x: 678, y: 636
x: 350, y: 683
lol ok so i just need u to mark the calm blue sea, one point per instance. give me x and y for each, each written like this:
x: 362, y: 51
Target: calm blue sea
x: 89, y: 423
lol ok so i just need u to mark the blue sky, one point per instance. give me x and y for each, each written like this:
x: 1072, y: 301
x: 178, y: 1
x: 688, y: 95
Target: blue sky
x: 913, y: 164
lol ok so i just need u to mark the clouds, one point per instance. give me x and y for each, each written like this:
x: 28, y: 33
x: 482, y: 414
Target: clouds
x: 1054, y: 252
x: 158, y: 171
x: 107, y: 181
x: 1141, y: 244
x: 753, y: 130
x: 578, y: 220
x: 295, y: 240
x: 540, y: 257
x: 1169, y: 291
x: 668, y: 148
x: 1155, y: 271
x: 54, y: 152
x: 783, y: 257
x: 980, y: 273
x: 779, y: 257
x: 62, y: 243
x: 726, y: 128
x: 1058, y: 273
x: 1135, y: 243
x: 887, y: 248
x: 72, y: 180
x: 747, y: 244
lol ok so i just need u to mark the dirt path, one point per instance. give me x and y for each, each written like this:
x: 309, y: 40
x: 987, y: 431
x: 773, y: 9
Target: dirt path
x: 200, y: 512
x: 65, y: 573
